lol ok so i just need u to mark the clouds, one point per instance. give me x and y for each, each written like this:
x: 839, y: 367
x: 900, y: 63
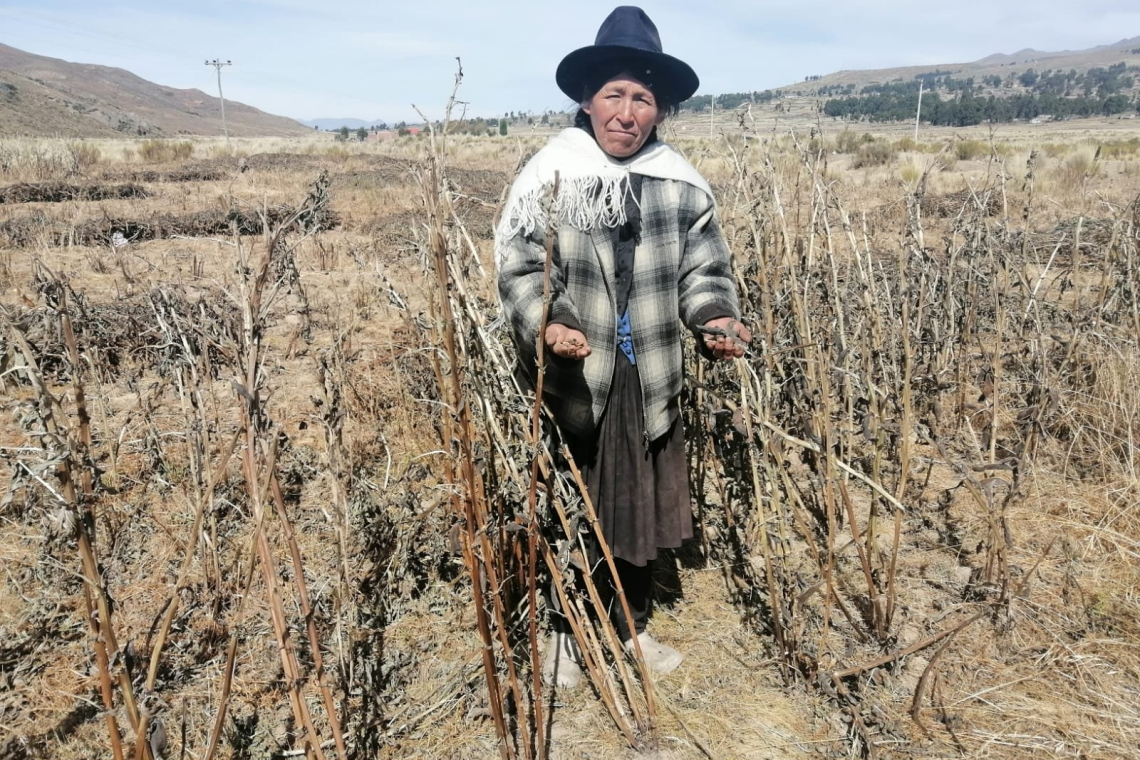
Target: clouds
x: 372, y: 59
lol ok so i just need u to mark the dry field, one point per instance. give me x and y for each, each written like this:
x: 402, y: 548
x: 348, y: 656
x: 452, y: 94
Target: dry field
x: 238, y: 460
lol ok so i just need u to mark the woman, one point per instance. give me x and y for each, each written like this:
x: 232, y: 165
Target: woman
x: 638, y: 252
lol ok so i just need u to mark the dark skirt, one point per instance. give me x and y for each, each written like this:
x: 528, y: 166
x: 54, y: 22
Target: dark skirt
x: 641, y: 495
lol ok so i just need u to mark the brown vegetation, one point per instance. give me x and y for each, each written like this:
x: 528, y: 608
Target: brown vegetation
x: 34, y: 229
x: 58, y: 192
x: 287, y: 465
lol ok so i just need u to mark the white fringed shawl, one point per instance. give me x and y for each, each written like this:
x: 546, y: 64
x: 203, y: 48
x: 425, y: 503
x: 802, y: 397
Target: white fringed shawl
x: 592, y: 185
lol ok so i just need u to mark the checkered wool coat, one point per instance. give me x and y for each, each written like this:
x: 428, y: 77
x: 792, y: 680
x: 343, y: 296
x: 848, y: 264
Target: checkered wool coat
x: 682, y: 275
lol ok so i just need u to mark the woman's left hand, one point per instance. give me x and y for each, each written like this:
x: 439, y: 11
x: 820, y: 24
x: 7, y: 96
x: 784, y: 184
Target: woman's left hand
x: 727, y: 338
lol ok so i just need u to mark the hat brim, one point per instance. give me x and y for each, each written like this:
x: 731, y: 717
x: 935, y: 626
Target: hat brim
x: 678, y: 77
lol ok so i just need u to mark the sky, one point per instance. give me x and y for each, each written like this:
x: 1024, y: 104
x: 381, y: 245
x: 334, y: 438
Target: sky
x: 374, y: 60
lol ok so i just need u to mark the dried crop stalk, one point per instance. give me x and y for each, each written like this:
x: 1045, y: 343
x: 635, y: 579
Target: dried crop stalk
x: 527, y: 510
x: 68, y: 455
x: 259, y: 287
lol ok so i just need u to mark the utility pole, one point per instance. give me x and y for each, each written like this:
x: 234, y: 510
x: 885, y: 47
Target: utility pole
x: 218, y: 65
x: 918, y: 113
x: 712, y: 115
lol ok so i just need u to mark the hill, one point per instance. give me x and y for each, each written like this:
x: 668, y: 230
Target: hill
x: 1125, y: 51
x: 1029, y: 85
x: 49, y: 96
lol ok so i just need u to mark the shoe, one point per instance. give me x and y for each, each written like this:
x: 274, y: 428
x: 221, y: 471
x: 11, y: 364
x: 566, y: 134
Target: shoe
x: 660, y: 658
x: 562, y: 665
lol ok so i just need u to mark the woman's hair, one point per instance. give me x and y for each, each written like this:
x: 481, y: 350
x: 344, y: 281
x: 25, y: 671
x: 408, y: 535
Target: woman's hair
x: 666, y: 103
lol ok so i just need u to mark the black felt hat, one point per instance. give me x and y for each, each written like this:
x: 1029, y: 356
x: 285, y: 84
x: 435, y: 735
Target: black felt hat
x: 627, y: 40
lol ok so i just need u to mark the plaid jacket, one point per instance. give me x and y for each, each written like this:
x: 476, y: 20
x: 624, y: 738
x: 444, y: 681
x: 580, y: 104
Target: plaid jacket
x: 682, y: 273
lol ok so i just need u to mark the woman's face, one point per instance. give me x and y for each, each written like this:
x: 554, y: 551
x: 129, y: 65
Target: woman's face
x: 623, y: 113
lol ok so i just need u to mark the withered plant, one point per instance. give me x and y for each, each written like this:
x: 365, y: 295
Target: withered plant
x: 260, y: 284
x: 807, y: 453
x: 518, y: 498
x: 61, y: 465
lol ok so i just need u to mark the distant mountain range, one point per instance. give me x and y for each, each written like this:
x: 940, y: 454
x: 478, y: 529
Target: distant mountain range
x: 1125, y: 51
x: 327, y: 124
x: 49, y: 96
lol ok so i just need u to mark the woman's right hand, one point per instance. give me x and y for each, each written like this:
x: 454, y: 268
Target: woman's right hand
x: 566, y: 342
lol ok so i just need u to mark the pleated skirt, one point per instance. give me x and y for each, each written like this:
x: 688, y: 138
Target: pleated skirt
x: 641, y: 494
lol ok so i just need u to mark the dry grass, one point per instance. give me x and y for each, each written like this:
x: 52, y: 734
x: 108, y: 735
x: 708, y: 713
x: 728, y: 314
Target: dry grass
x: 1051, y: 669
x: 163, y: 151
x: 1073, y: 171
x: 969, y: 150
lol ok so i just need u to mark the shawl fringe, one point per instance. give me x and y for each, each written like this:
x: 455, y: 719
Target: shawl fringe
x: 592, y: 189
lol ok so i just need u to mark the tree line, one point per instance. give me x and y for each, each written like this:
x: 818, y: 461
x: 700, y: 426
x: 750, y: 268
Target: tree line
x: 1096, y: 82
x: 967, y: 110
x: 728, y: 100
x: 1099, y: 91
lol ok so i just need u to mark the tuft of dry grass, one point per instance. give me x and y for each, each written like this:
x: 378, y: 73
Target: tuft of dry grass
x: 849, y: 141
x: 970, y: 150
x: 1056, y: 150
x: 910, y: 171
x: 1124, y: 148
x: 164, y: 151
x: 1072, y: 173
x: 872, y: 154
